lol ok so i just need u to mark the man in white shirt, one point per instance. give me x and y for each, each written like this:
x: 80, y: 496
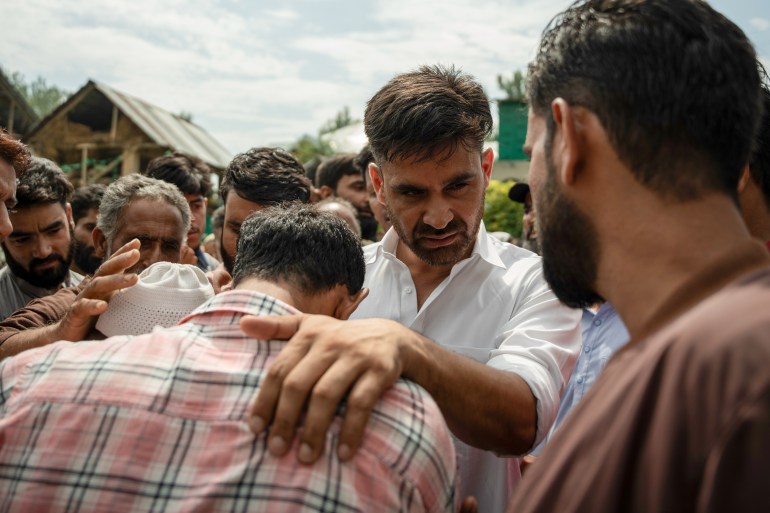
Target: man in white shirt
x: 443, y: 279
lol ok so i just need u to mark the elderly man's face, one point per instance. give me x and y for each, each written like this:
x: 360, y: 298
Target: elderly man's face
x: 158, y: 226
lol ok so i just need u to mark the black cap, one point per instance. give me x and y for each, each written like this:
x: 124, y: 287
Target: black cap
x: 518, y: 192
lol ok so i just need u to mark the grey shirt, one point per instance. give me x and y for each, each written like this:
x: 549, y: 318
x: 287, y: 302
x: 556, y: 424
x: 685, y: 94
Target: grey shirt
x: 15, y: 292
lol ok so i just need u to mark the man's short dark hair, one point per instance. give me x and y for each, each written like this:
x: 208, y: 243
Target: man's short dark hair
x: 674, y: 84
x: 427, y: 113
x: 759, y: 167
x: 267, y: 176
x: 331, y: 169
x: 43, y: 183
x: 86, y: 198
x: 190, y: 174
x: 363, y: 159
x: 311, y: 250
x: 14, y: 152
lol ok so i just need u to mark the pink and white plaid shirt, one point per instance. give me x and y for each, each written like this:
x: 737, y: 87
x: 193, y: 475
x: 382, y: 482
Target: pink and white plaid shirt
x: 157, y: 423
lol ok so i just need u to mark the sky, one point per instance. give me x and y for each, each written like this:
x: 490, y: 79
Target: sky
x: 257, y: 73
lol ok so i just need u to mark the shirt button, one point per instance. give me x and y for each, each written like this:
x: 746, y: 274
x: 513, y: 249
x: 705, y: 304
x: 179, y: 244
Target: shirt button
x: 598, y: 322
x: 587, y: 349
x: 580, y: 379
x: 408, y: 290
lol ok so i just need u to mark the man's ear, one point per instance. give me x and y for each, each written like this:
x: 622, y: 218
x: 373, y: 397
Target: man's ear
x: 348, y: 304
x: 100, y: 243
x: 325, y: 191
x: 744, y: 180
x: 567, y: 144
x: 375, y: 175
x: 487, y: 160
x: 68, y: 210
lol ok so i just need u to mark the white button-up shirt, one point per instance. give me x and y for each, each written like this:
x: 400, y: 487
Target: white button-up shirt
x: 496, y: 308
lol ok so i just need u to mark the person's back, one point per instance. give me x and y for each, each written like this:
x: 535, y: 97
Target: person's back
x: 158, y: 422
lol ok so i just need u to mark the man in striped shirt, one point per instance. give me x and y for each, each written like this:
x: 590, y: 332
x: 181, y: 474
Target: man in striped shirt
x: 157, y: 422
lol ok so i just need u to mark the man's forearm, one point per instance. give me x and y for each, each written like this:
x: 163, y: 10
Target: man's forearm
x: 484, y: 407
x: 28, y: 339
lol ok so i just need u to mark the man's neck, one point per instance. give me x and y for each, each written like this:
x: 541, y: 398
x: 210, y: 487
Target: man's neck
x: 642, y: 268
x: 426, y: 277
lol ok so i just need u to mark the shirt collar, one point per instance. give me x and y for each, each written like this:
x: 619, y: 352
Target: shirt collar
x: 246, y: 302
x: 484, y: 247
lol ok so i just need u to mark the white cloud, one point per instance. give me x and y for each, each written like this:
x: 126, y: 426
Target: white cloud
x: 759, y: 23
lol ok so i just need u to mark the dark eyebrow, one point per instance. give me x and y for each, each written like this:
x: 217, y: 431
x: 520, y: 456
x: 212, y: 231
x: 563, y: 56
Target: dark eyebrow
x: 54, y: 225
x: 462, y: 178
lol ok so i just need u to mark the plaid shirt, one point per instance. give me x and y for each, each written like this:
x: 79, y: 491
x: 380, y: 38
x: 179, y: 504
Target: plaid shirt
x: 157, y: 423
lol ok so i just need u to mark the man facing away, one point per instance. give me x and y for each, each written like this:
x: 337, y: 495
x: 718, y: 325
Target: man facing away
x: 504, y: 345
x: 157, y: 422
x: 642, y: 118
x: 38, y: 251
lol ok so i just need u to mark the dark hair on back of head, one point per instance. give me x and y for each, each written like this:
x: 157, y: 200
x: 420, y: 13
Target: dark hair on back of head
x: 42, y: 183
x: 267, y: 176
x: 427, y: 114
x: 333, y: 168
x: 85, y: 198
x: 759, y: 167
x: 190, y: 174
x: 674, y: 84
x: 14, y: 152
x: 295, y: 243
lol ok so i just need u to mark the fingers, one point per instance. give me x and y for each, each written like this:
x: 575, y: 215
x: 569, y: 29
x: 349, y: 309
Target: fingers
x: 264, y: 405
x: 272, y: 327
x: 469, y: 505
x: 188, y: 256
x: 219, y: 278
x: 79, y: 320
x: 124, y: 258
x: 105, y: 286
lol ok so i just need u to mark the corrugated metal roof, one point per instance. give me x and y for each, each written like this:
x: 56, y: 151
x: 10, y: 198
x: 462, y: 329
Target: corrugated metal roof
x: 168, y: 129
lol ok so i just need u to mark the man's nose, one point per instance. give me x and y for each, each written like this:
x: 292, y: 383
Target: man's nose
x: 42, y: 248
x: 5, y: 223
x: 438, y: 215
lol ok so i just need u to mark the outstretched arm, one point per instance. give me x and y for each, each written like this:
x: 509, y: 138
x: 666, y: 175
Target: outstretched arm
x: 45, y: 321
x: 326, y: 358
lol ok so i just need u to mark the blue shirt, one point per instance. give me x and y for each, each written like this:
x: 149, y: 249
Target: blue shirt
x: 603, y: 334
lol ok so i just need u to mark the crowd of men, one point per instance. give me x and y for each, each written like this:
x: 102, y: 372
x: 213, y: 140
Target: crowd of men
x: 359, y: 342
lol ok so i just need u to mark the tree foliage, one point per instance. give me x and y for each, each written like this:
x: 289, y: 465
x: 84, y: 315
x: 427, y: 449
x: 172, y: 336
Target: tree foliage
x: 41, y: 96
x: 309, y: 147
x: 500, y: 213
x: 514, y: 86
x: 342, y: 119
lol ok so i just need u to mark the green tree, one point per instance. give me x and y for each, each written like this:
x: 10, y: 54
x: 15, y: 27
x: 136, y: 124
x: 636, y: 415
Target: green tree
x: 514, y: 86
x: 342, y: 119
x: 41, y: 96
x: 500, y: 213
x: 309, y: 147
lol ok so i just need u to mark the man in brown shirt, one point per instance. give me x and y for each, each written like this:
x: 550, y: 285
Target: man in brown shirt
x: 642, y: 115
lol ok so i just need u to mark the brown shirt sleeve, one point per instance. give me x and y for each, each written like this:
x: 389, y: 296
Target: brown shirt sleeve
x: 40, y: 312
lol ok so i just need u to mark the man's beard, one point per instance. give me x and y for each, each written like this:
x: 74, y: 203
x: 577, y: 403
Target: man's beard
x: 227, y: 259
x: 568, y: 243
x: 85, y: 257
x: 44, y: 278
x: 447, y: 255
